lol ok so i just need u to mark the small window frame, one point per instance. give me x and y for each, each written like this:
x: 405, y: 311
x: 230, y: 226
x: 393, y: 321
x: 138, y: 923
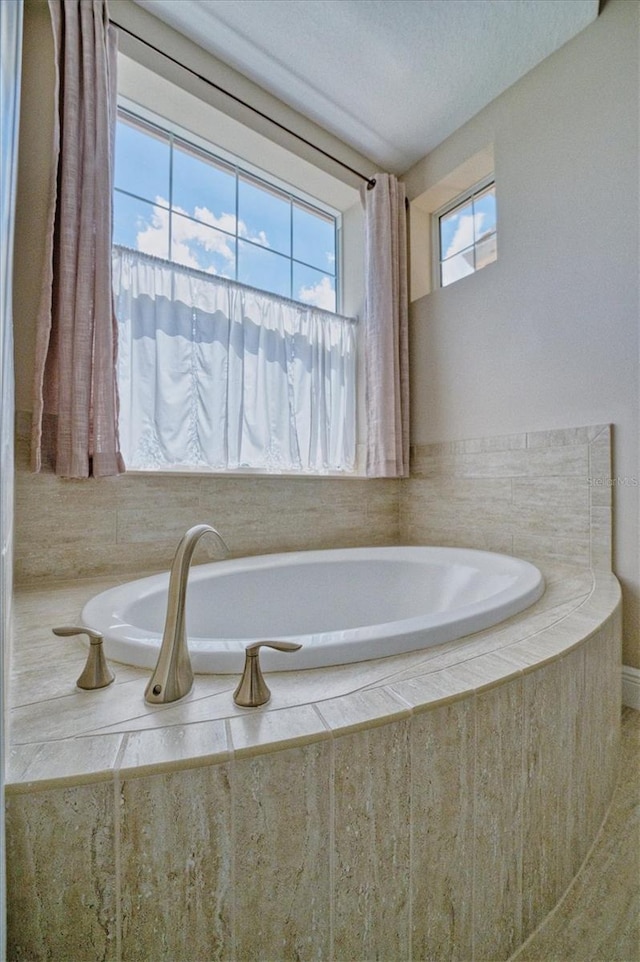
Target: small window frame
x: 436, y: 239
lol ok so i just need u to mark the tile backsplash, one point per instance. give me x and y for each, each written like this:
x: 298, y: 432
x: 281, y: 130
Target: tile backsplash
x: 542, y: 495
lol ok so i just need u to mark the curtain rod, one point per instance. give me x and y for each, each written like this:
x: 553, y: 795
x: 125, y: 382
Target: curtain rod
x: 370, y: 181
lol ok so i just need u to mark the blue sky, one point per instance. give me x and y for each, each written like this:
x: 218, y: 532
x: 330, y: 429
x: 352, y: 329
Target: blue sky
x: 201, y: 224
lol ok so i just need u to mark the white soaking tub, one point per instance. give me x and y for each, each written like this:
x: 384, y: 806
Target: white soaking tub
x: 341, y: 605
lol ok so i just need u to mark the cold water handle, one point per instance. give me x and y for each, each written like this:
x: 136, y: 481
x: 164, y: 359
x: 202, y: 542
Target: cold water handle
x: 252, y: 690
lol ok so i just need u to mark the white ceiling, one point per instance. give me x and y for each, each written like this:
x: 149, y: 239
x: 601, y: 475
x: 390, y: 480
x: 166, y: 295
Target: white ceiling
x: 391, y: 78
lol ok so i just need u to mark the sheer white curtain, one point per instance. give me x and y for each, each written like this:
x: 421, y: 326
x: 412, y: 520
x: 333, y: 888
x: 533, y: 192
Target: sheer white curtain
x: 218, y: 375
x: 386, y: 325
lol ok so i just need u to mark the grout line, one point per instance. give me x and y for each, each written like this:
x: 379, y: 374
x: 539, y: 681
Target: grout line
x: 332, y: 847
x: 232, y: 817
x: 474, y: 797
x: 118, y: 859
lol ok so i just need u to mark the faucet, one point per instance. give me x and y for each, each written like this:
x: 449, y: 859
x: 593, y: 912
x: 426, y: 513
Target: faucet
x: 173, y: 676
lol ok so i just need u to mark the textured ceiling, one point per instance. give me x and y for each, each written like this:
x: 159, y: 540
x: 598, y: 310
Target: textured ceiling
x: 391, y: 78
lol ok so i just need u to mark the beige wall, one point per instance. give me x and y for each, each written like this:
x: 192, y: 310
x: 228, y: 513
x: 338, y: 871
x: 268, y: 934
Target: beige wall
x: 547, y: 337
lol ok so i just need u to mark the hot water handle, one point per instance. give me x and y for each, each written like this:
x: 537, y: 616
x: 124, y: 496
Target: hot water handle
x: 253, y: 690
x: 97, y: 673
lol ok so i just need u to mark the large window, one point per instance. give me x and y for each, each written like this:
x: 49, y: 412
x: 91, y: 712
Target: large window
x: 232, y: 355
x: 179, y: 201
x: 465, y: 233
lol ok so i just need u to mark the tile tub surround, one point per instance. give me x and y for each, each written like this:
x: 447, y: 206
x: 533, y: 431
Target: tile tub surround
x: 541, y: 496
x: 132, y: 524
x: 434, y: 805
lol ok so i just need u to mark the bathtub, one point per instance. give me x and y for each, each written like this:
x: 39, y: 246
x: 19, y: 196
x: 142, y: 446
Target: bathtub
x: 341, y: 605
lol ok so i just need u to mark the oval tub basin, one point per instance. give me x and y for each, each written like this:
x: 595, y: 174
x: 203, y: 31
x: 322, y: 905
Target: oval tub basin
x: 342, y: 605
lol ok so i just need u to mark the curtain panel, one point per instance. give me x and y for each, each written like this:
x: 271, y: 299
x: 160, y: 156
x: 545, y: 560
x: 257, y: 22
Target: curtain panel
x: 217, y: 375
x: 11, y: 29
x: 386, y: 329
x: 75, y: 394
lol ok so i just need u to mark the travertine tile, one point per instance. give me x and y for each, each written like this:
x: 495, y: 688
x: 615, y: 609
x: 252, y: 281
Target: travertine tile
x: 478, y: 491
x: 486, y: 671
x: 61, y: 888
x: 503, y: 442
x: 601, y: 537
x: 545, y: 547
x: 530, y: 462
x: 442, y: 790
x: 156, y: 508
x: 87, y: 558
x: 175, y: 857
x: 40, y: 684
x: 562, y: 436
x: 600, y: 486
x: 601, y: 726
x: 497, y: 887
x: 543, y: 647
x: 362, y: 709
x: 77, y: 713
x: 257, y: 730
x: 600, y: 915
x: 547, y: 800
x: 81, y: 759
x: 554, y: 506
x: 372, y: 818
x: 432, y: 689
x: 572, y: 836
x: 17, y: 760
x: 136, y: 521
x: 458, y: 514
x: 203, y: 743
x: 420, y: 528
x: 281, y: 837
x: 51, y: 510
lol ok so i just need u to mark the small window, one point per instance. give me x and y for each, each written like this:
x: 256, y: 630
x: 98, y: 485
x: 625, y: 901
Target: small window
x: 182, y: 202
x: 465, y: 233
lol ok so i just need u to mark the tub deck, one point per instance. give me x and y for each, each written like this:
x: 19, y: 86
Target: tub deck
x: 429, y: 805
x: 116, y: 724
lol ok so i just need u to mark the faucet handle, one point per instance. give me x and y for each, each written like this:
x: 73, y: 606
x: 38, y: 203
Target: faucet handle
x: 252, y: 690
x: 97, y: 673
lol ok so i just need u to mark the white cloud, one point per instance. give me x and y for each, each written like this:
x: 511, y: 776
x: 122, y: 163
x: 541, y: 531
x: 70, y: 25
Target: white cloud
x: 152, y: 239
x: 320, y: 295
x: 466, y: 232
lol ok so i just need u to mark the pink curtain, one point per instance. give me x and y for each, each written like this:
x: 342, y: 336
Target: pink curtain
x: 386, y: 329
x: 75, y: 394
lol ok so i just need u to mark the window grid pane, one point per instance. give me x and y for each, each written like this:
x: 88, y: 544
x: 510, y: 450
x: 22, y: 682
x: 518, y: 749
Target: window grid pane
x: 217, y: 217
x: 467, y: 235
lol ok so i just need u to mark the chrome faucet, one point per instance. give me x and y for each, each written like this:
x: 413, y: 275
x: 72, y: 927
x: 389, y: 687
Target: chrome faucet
x: 173, y: 676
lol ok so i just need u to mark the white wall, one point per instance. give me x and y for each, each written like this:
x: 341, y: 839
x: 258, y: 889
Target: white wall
x: 547, y: 337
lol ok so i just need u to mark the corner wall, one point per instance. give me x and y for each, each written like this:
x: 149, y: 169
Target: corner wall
x: 547, y: 337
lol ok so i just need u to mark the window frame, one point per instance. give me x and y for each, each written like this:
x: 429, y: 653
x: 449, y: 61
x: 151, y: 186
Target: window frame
x: 436, y: 235
x: 167, y: 127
